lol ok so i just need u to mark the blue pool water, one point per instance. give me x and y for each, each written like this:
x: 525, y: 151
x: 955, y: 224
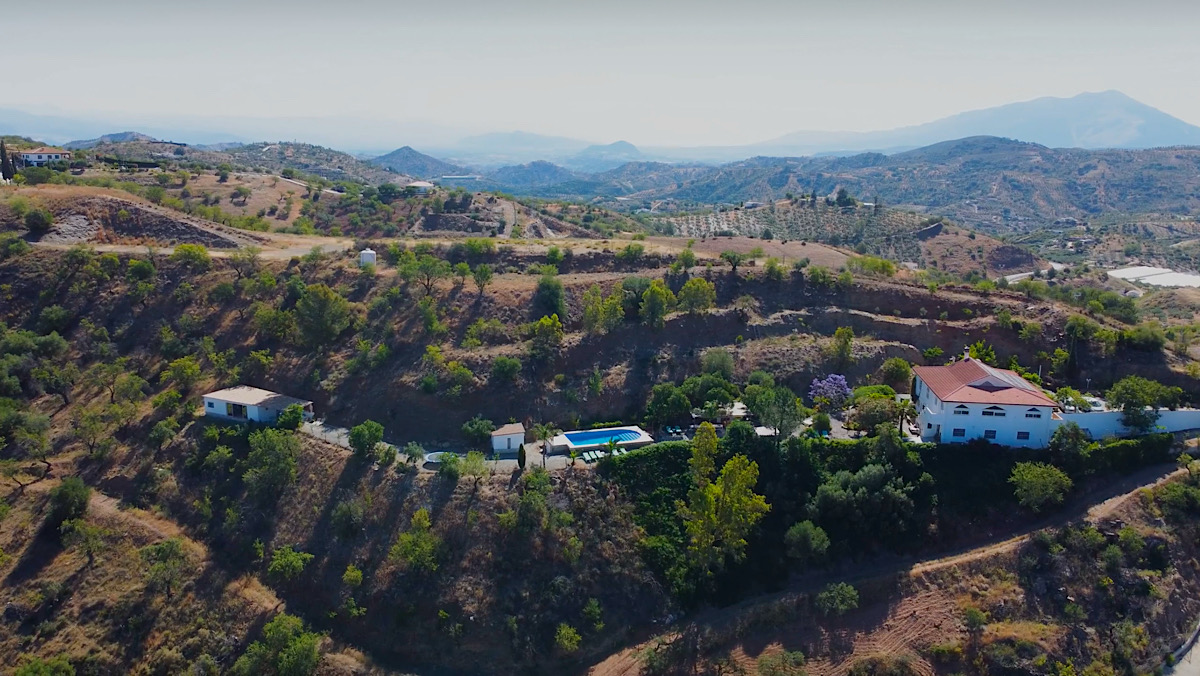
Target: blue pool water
x: 591, y: 437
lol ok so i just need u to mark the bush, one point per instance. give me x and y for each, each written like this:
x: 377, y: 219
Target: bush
x: 549, y: 298
x: 286, y: 648
x: 39, y: 221
x: 348, y: 518
x: 975, y: 619
x: 718, y: 361
x: 807, y: 542
x: 822, y: 423
x: 506, y: 369
x: 786, y: 663
x: 836, y: 599
x: 418, y: 548
x: 291, y: 418
x: 478, y: 430
x: 68, y: 500
x: 1038, y: 485
x: 566, y: 637
x: 287, y: 564
x: 365, y: 437
x: 193, y: 256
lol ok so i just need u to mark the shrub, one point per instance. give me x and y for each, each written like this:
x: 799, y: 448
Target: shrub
x: 348, y: 517
x: 836, y: 599
x: 287, y: 564
x: 698, y: 294
x: 291, y: 418
x: 896, y: 372
x: 417, y: 548
x: 822, y: 423
x: 718, y: 361
x: 53, y: 318
x: 353, y: 577
x: 365, y: 437
x: 68, y: 500
x: 450, y: 468
x: 39, y: 221
x: 478, y: 430
x: 193, y: 256
x: 566, y: 637
x: 286, y: 648
x: 974, y: 618
x: 807, y: 542
x: 506, y: 369
x: 1038, y: 485
x: 786, y: 663
x: 549, y: 298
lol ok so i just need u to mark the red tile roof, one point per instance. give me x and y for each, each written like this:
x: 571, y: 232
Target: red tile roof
x: 44, y: 150
x: 972, y: 382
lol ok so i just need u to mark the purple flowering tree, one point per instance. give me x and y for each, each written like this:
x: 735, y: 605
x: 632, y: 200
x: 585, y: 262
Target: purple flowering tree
x: 829, y: 393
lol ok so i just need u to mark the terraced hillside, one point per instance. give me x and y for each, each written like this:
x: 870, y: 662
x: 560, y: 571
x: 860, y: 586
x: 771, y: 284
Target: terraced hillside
x: 892, y: 233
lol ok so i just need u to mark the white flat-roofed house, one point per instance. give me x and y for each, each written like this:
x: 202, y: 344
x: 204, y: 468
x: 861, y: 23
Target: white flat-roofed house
x: 420, y: 187
x: 252, y: 404
x: 970, y: 400
x: 40, y: 157
x: 508, y: 437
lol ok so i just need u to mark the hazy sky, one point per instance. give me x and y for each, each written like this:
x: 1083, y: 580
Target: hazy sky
x: 653, y: 73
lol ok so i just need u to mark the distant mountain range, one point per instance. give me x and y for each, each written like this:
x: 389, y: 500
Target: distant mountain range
x: 1092, y: 120
x: 986, y: 182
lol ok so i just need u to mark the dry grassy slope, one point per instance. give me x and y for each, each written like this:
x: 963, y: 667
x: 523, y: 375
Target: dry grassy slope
x: 103, y: 615
x: 488, y: 575
x: 905, y: 615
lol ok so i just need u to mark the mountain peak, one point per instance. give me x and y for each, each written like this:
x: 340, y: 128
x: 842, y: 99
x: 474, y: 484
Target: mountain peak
x: 407, y: 160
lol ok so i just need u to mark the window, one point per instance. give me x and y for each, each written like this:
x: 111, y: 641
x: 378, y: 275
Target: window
x: 989, y: 434
x: 961, y: 410
x: 1033, y: 413
x: 995, y: 411
x: 928, y: 426
x: 960, y: 432
x: 1023, y: 436
x: 210, y: 405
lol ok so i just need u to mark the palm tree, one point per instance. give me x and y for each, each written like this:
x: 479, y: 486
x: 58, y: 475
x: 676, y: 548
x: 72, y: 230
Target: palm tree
x: 544, y: 432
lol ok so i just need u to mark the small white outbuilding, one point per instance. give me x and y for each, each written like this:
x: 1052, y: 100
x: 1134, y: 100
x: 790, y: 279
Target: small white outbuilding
x: 508, y: 438
x: 251, y: 403
x: 366, y: 257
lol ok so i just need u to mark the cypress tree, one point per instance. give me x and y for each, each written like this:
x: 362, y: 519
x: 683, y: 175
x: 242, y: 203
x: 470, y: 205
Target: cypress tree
x: 6, y: 168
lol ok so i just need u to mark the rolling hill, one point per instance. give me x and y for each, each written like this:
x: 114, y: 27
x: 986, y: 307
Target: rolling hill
x: 119, y: 137
x: 983, y: 182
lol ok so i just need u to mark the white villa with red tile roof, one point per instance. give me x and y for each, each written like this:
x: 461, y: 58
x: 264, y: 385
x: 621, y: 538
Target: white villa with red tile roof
x: 970, y: 400
x: 40, y: 157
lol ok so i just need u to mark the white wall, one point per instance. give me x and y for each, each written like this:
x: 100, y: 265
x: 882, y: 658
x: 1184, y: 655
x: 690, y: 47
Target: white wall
x: 254, y: 413
x: 1102, y: 424
x: 508, y: 442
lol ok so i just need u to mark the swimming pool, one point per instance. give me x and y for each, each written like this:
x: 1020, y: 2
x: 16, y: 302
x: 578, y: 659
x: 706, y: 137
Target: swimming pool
x: 592, y: 437
x: 626, y: 437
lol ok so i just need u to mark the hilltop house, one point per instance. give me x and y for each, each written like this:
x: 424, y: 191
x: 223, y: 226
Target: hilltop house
x: 251, y: 403
x: 40, y: 157
x: 970, y: 400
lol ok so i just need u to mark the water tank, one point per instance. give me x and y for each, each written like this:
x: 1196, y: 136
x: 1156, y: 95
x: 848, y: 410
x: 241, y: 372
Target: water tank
x: 366, y: 257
